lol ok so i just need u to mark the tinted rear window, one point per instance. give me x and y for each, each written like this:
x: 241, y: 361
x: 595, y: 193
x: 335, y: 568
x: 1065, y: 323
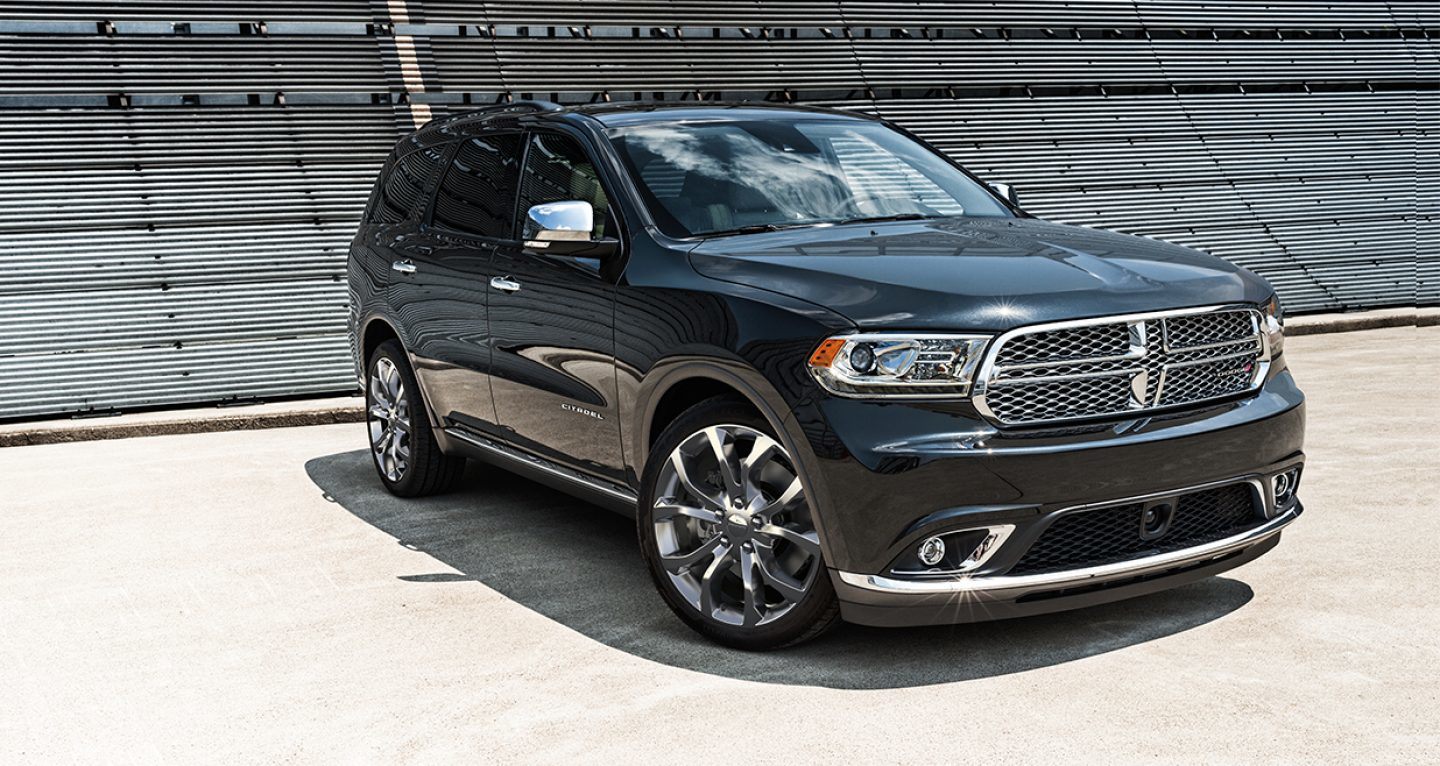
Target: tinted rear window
x: 401, y: 195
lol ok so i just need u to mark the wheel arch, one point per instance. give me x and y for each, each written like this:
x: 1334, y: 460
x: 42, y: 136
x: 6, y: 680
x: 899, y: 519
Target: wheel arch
x: 375, y: 331
x: 667, y: 390
x: 674, y: 387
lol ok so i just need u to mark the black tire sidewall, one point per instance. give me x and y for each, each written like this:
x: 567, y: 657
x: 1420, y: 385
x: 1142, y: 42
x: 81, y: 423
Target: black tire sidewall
x: 816, y: 612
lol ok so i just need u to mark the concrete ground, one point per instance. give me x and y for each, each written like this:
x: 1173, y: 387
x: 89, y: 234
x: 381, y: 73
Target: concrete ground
x: 255, y: 596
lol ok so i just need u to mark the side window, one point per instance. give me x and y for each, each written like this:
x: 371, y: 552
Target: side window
x: 557, y: 170
x: 402, y: 192
x: 478, y: 194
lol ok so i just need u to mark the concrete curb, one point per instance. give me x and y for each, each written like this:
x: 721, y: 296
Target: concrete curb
x: 192, y: 421
x: 314, y: 412
x: 1362, y: 320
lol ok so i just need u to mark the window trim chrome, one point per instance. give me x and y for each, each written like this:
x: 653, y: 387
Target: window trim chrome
x: 990, y: 366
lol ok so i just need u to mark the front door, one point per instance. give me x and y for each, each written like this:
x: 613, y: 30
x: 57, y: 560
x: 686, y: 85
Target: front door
x: 552, y: 327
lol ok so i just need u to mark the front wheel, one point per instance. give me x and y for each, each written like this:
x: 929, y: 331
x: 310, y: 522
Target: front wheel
x: 728, y: 534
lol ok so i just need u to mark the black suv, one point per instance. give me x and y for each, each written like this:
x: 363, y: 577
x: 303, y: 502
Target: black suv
x: 830, y: 373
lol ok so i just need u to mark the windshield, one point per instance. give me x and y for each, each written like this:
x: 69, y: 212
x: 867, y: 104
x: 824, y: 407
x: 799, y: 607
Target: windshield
x: 743, y: 176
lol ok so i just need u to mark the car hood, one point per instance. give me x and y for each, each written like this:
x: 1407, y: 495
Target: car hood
x: 987, y: 274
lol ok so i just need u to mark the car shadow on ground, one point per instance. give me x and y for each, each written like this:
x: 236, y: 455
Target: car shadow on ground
x: 580, y: 566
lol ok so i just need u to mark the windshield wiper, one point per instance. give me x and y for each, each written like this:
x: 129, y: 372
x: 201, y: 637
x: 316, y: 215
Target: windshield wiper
x: 896, y: 217
x: 763, y: 227
x: 757, y: 228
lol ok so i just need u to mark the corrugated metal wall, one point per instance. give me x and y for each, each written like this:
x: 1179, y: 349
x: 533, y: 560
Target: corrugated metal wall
x: 179, y: 179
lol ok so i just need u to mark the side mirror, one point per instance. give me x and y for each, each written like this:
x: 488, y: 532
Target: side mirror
x: 565, y: 228
x: 1007, y: 193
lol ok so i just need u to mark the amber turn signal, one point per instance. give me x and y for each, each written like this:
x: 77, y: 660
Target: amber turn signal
x: 826, y: 352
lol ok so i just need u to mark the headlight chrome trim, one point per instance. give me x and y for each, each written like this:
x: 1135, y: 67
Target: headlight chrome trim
x: 836, y: 377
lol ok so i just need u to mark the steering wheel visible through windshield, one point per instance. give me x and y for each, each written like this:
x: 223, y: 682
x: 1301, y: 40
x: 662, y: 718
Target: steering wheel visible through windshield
x: 708, y: 178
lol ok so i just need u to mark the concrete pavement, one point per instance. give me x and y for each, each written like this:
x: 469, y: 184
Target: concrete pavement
x: 255, y: 596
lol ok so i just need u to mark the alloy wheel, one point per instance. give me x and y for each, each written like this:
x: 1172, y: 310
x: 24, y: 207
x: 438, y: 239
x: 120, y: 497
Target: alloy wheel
x: 732, y: 527
x: 389, y: 420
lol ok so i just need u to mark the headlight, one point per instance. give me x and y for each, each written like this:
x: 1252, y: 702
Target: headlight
x: 890, y: 364
x: 1274, y: 325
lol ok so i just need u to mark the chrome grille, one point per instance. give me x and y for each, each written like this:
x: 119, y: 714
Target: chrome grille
x: 1121, y: 365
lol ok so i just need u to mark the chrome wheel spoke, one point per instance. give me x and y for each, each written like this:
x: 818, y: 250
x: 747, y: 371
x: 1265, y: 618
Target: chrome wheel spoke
x: 379, y: 393
x: 379, y: 411
x: 685, y: 561
x: 792, y: 492
x: 761, y: 451
x: 728, y: 471
x: 710, y: 583
x: 808, y: 542
x: 682, y: 472
x: 392, y: 381
x: 667, y: 509
x: 787, y: 586
x: 752, y: 591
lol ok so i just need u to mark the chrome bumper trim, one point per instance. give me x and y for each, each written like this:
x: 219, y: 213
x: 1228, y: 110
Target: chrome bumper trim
x: 1074, y: 577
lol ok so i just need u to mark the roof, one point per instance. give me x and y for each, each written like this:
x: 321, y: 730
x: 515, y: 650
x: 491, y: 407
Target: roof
x: 638, y: 112
x: 635, y: 112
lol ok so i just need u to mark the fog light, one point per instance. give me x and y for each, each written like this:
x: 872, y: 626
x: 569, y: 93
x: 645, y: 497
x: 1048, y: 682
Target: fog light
x: 932, y: 551
x: 1285, y: 485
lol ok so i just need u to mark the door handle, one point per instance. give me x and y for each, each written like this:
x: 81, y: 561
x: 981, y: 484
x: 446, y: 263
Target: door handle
x: 403, y: 266
x: 505, y: 284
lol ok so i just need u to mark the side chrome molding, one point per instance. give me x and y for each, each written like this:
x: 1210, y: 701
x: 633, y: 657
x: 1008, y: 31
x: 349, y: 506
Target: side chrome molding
x: 612, y: 495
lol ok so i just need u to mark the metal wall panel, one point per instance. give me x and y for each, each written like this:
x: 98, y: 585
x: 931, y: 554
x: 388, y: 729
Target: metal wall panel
x: 179, y: 179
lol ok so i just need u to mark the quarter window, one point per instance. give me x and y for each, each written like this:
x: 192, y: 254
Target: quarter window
x: 557, y: 170
x: 477, y: 196
x: 402, y: 195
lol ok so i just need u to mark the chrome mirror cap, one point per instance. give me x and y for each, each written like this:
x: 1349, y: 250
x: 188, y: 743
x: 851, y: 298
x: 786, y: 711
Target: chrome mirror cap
x: 1007, y: 193
x: 568, y: 221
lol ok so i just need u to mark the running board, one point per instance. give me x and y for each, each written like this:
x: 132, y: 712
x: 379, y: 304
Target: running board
x: 612, y: 496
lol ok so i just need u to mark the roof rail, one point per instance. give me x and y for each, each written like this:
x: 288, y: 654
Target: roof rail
x: 495, y: 109
x: 536, y: 104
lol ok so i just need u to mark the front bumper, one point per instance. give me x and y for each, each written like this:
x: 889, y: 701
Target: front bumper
x: 889, y: 477
x: 892, y: 601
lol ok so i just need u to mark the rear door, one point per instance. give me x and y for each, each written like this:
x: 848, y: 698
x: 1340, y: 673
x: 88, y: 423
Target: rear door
x: 449, y: 257
x: 552, y: 326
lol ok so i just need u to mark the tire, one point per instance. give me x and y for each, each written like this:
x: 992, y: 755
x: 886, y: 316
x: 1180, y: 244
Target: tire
x: 402, y: 443
x: 699, y: 554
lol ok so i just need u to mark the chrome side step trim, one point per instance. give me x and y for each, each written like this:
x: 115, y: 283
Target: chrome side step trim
x: 533, y: 462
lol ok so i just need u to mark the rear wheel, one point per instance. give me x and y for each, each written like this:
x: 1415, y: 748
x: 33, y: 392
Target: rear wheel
x: 403, y: 445
x: 728, y: 534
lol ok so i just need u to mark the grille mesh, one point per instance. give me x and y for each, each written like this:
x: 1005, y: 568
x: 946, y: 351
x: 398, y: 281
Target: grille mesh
x: 1206, y: 381
x: 1100, y: 370
x: 1110, y: 535
x: 1073, y: 343
x: 1057, y: 400
x: 1202, y: 329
